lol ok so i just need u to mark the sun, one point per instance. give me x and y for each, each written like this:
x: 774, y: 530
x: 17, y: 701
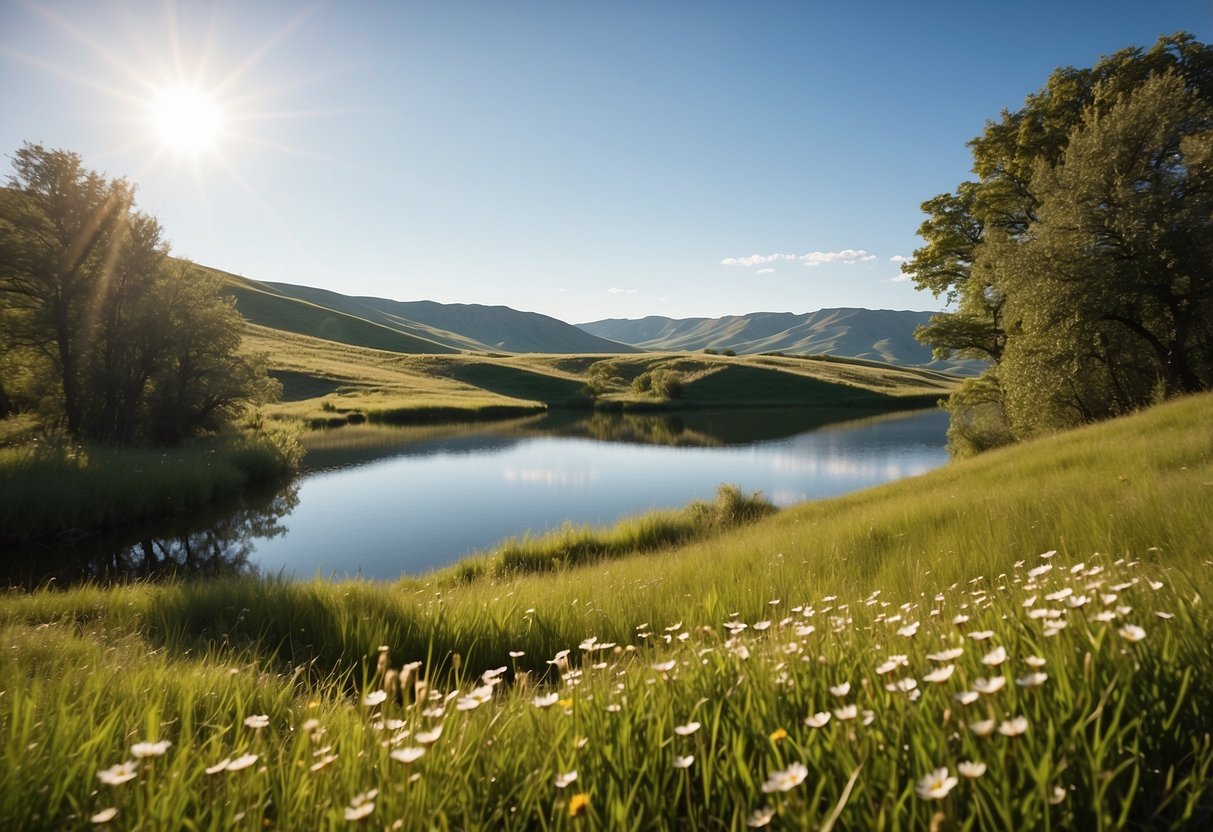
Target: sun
x: 186, y: 119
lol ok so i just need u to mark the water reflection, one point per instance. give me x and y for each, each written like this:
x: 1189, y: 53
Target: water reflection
x: 210, y: 543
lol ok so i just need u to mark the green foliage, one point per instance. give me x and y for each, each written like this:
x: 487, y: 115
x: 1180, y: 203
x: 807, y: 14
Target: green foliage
x: 663, y: 383
x: 102, y: 329
x: 978, y: 420
x: 1081, y: 260
x: 577, y: 546
x: 51, y: 487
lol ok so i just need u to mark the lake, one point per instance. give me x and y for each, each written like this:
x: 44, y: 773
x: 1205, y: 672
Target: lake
x: 384, y: 501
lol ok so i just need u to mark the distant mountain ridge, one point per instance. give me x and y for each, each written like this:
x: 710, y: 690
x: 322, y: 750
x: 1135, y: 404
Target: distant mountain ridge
x: 884, y: 335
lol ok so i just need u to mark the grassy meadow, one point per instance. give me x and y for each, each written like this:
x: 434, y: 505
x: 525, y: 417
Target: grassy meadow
x: 331, y: 384
x: 1018, y: 641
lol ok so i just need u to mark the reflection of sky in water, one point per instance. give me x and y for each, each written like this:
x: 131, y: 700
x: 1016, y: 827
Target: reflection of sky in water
x: 415, y: 512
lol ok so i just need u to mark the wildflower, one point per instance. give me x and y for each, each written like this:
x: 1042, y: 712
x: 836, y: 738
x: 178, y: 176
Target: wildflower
x: 118, y: 774
x: 995, y: 657
x: 992, y: 685
x: 960, y: 620
x: 141, y: 750
x: 105, y: 815
x: 1165, y: 616
x: 908, y: 631
x: 777, y: 735
x: 1064, y: 592
x: 1013, y: 727
x: 686, y: 730
x: 407, y: 755
x: 1131, y: 632
x: 664, y: 667
x: 785, y: 780
x: 903, y: 685
x: 946, y: 655
x: 258, y: 721
x: 760, y: 817
x: 219, y: 766
x: 1058, y: 795
x: 562, y: 780
x: 322, y: 762
x: 517, y: 654
x: 545, y: 700
x: 1032, y: 680
x: 1035, y: 661
x: 966, y: 697
x: 475, y: 699
x: 971, y: 770
x: 805, y: 630
x: 818, y: 720
x: 841, y: 690
x: 578, y: 804
x: 981, y: 635
x: 940, y: 675
x: 362, y: 805
x: 936, y: 785
x: 684, y: 762
x: 375, y: 697
x: 983, y: 728
x: 429, y: 737
x: 242, y: 762
x: 762, y: 625
x: 846, y: 712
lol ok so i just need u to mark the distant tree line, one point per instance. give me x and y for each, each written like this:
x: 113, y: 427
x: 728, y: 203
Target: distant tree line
x: 101, y: 331
x: 1079, y: 262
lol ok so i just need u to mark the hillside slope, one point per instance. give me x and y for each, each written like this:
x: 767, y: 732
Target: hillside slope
x: 462, y: 325
x: 874, y: 334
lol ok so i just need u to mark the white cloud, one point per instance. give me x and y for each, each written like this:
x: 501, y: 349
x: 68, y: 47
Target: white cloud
x: 847, y: 256
x: 765, y: 271
x: 901, y: 278
x: 615, y: 290
x: 755, y: 259
x: 812, y: 258
x: 898, y: 258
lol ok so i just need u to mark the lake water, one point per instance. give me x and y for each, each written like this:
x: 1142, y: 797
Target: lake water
x: 381, y: 501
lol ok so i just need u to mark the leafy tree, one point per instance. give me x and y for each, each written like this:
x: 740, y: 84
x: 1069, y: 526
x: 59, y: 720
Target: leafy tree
x: 102, y: 328
x: 1033, y: 280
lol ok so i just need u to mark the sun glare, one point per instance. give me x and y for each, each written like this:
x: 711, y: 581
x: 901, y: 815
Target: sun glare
x: 186, y: 120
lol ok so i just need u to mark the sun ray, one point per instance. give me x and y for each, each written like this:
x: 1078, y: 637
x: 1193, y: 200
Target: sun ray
x: 76, y: 78
x: 261, y: 51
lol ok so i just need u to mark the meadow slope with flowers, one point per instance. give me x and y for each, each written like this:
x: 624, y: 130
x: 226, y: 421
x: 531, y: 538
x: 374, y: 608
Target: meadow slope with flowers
x: 1019, y: 641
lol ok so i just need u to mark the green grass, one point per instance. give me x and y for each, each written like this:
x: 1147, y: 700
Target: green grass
x: 574, y: 546
x: 1117, y: 736
x: 52, y: 487
x: 266, y: 308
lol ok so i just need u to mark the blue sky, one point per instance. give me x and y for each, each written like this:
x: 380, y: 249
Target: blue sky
x: 584, y: 160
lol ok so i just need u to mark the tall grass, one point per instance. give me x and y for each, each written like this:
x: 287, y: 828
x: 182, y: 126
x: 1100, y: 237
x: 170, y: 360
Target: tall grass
x: 866, y: 590
x: 50, y: 488
x: 573, y: 546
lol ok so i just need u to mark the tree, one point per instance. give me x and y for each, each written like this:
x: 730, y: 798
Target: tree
x: 102, y: 328
x: 998, y: 249
x: 1113, y: 287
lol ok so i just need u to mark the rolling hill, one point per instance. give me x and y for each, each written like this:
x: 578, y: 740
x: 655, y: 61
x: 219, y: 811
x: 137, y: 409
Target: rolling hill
x: 409, y: 327
x: 873, y: 334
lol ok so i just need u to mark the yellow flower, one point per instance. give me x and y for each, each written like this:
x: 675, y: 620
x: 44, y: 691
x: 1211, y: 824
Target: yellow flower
x: 579, y: 803
x: 777, y: 735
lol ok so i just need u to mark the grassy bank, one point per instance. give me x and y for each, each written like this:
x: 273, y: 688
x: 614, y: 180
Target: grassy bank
x: 52, y: 488
x: 889, y: 634
x: 329, y: 384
